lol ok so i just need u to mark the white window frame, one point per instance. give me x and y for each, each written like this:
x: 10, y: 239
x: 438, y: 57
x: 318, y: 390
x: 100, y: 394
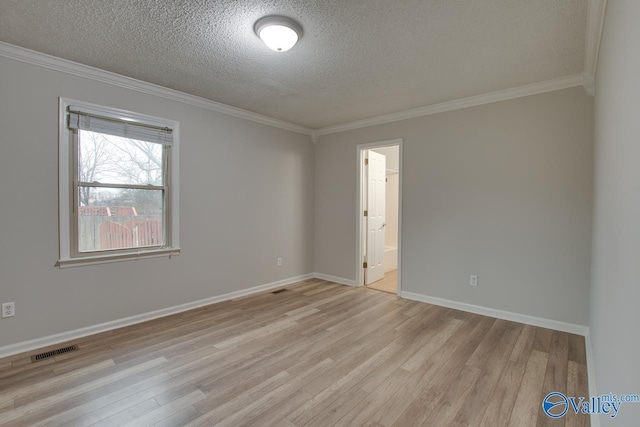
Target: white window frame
x: 68, y: 256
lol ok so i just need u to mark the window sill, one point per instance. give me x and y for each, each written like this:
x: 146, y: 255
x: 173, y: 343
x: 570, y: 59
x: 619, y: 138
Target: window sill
x: 104, y: 259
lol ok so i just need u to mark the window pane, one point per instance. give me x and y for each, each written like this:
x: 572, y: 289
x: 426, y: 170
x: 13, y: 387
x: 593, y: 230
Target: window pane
x: 115, y: 218
x: 114, y: 160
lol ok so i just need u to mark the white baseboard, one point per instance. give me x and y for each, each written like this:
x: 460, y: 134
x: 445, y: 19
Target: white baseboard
x: 338, y: 280
x: 37, y: 343
x: 500, y: 314
x: 591, y: 376
x: 58, y: 64
x: 25, y: 346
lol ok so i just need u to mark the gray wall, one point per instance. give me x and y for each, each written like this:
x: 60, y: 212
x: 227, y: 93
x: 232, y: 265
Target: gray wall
x: 502, y: 190
x: 246, y: 199
x: 615, y: 289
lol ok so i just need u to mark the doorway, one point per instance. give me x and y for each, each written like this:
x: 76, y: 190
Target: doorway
x: 379, y: 216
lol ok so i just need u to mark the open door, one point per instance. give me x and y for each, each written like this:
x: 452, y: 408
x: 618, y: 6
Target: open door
x: 375, y: 219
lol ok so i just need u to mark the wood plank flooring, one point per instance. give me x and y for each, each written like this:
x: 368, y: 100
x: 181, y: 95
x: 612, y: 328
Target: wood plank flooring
x: 387, y: 284
x: 317, y: 354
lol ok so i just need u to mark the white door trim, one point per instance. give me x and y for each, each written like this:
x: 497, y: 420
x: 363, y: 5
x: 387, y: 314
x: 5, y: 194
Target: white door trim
x: 360, y: 208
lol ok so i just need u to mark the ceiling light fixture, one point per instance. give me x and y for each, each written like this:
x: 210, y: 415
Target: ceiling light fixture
x: 278, y: 32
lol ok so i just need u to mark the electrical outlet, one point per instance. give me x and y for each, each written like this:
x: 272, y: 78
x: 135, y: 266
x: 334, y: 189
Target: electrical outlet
x: 473, y: 280
x: 8, y: 309
x: 279, y: 262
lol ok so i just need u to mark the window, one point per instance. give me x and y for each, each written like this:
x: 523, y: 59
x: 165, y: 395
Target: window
x: 118, y: 185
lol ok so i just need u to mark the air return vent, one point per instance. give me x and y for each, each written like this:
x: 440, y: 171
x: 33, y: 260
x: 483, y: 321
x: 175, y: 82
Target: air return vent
x: 48, y: 354
x: 279, y: 291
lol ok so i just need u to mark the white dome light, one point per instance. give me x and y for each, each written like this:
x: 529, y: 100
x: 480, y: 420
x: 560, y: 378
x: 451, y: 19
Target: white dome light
x: 279, y: 33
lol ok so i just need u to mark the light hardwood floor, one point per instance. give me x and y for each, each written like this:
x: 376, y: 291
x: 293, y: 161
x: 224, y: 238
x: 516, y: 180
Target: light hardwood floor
x: 318, y: 354
x: 387, y: 284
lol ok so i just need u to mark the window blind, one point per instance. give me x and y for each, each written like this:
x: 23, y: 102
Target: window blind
x: 121, y: 128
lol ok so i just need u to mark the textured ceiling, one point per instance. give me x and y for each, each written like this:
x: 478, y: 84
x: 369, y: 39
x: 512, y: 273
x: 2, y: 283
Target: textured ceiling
x: 356, y: 59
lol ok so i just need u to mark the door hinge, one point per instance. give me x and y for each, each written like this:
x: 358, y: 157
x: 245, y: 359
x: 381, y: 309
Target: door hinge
x: 364, y: 264
x: 366, y: 213
x: 366, y: 161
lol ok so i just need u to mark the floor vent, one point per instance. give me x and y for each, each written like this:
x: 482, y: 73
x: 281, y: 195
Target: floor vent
x: 279, y: 291
x: 48, y: 354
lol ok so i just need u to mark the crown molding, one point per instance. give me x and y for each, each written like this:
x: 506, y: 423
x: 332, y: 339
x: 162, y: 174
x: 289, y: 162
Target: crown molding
x: 58, y: 64
x: 457, y: 104
x: 589, y: 84
x: 596, y: 10
x: 314, y: 135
